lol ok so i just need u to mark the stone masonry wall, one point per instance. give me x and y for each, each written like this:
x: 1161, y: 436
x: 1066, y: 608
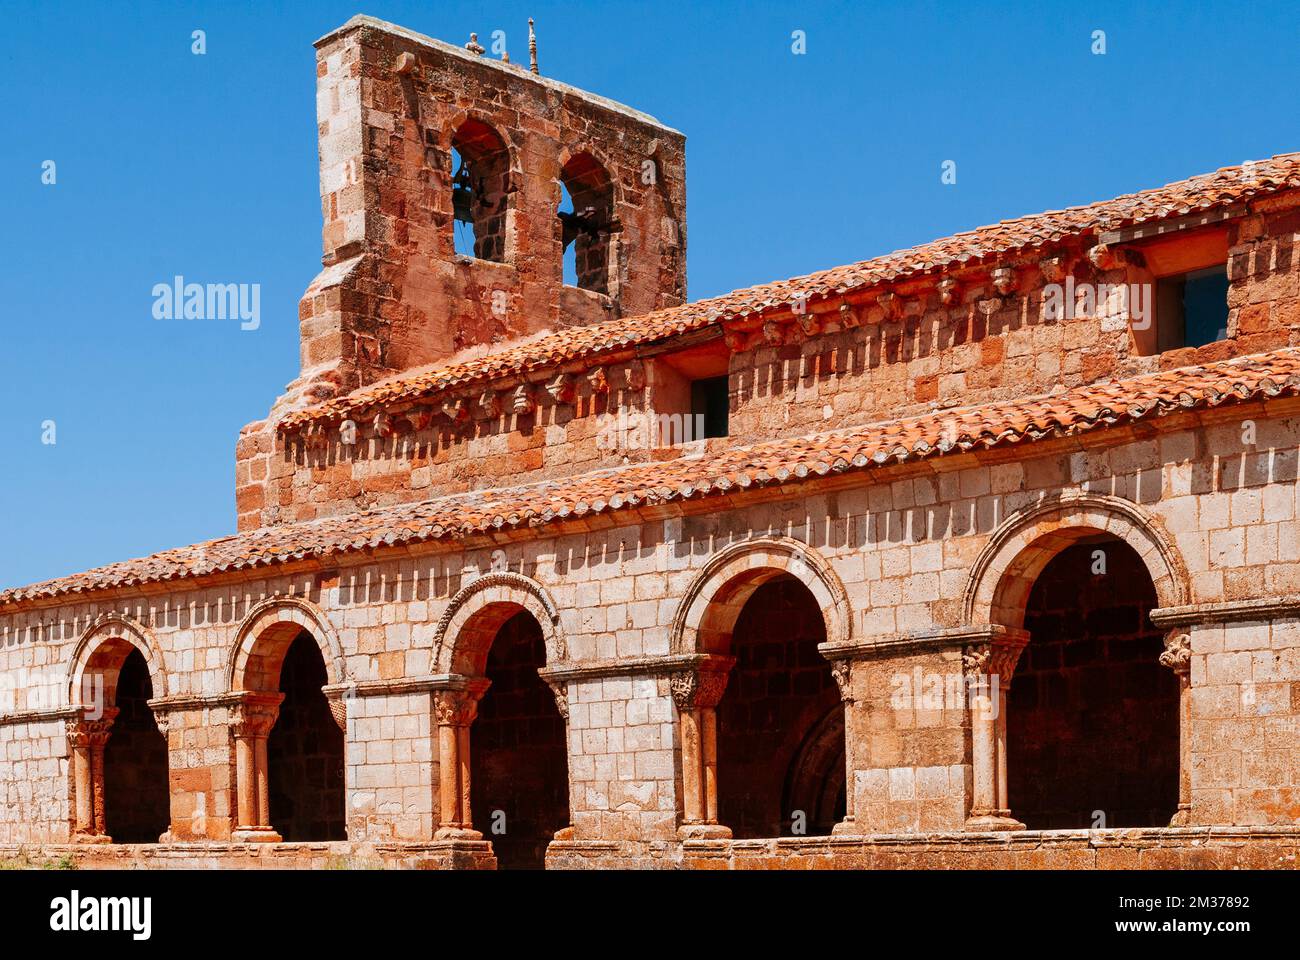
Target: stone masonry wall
x: 861, y: 367
x: 904, y: 543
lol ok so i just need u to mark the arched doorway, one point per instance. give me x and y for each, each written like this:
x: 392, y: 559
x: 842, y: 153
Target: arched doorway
x: 1092, y: 716
x: 119, y: 756
x: 519, y: 755
x: 780, y: 722
x: 305, y: 751
x: 288, y: 745
x: 136, y: 800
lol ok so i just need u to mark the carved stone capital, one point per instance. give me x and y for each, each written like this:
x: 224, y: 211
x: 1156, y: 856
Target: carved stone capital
x: 842, y: 671
x: 339, y: 711
x: 995, y: 657
x: 458, y: 707
x: 90, y: 733
x: 83, y: 732
x: 1177, y: 655
x: 700, y: 686
x: 77, y: 734
x: 162, y: 719
x: 561, y: 690
x: 253, y: 716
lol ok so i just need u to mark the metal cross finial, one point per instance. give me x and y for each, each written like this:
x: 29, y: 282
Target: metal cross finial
x: 532, y: 47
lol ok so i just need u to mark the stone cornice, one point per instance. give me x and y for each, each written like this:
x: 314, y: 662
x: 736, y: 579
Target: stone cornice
x: 920, y: 641
x: 195, y: 701
x: 47, y: 715
x: 397, y: 687
x: 1230, y: 611
x: 656, y: 666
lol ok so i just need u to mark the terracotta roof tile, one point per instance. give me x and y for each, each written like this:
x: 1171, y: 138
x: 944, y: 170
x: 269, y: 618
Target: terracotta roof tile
x: 1224, y: 187
x: 989, y: 426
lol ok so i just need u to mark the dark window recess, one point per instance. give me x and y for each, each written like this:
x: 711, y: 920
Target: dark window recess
x: 1192, y: 308
x: 709, y: 407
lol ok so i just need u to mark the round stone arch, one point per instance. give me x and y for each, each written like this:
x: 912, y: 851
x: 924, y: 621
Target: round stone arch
x: 602, y: 159
x: 102, y: 649
x: 264, y: 636
x: 709, y: 609
x: 457, y: 121
x: 1005, y: 571
x: 470, y: 623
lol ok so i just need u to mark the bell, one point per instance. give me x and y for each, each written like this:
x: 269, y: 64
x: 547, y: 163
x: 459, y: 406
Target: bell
x: 462, y: 194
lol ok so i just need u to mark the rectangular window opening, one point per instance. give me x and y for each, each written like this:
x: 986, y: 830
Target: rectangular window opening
x: 710, y: 407
x: 1192, y: 308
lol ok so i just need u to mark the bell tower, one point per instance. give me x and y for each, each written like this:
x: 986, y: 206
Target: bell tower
x: 454, y: 187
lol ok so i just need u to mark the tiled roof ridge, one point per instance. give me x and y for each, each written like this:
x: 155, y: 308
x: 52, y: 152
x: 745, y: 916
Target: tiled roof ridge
x: 1228, y: 185
x: 773, y: 462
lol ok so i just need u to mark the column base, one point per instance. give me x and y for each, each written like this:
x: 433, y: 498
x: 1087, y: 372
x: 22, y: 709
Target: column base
x: 1183, y: 817
x: 703, y: 831
x: 992, y: 821
x: 564, y: 833
x: 846, y: 827
x: 91, y: 838
x: 255, y: 835
x: 457, y: 833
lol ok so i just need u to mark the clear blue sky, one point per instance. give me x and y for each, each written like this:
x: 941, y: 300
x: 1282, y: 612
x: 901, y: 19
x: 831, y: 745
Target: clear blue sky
x: 170, y: 163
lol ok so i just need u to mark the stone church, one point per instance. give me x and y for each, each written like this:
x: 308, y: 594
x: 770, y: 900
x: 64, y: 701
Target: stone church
x: 983, y: 553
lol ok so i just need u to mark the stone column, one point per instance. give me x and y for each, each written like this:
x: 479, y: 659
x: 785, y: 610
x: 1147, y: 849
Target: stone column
x: 696, y: 691
x: 1177, y: 656
x: 561, y: 691
x: 162, y: 719
x: 251, y: 721
x: 454, y: 712
x: 988, y: 668
x: 86, y: 740
x: 842, y: 671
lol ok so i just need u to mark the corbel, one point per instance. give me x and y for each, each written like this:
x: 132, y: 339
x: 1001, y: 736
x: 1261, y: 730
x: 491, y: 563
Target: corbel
x: 892, y: 305
x: 1005, y: 280
x: 348, y: 433
x: 522, y: 401
x: 561, y: 388
x: 489, y: 401
x: 454, y: 408
x: 635, y: 375
x: 1053, y: 268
